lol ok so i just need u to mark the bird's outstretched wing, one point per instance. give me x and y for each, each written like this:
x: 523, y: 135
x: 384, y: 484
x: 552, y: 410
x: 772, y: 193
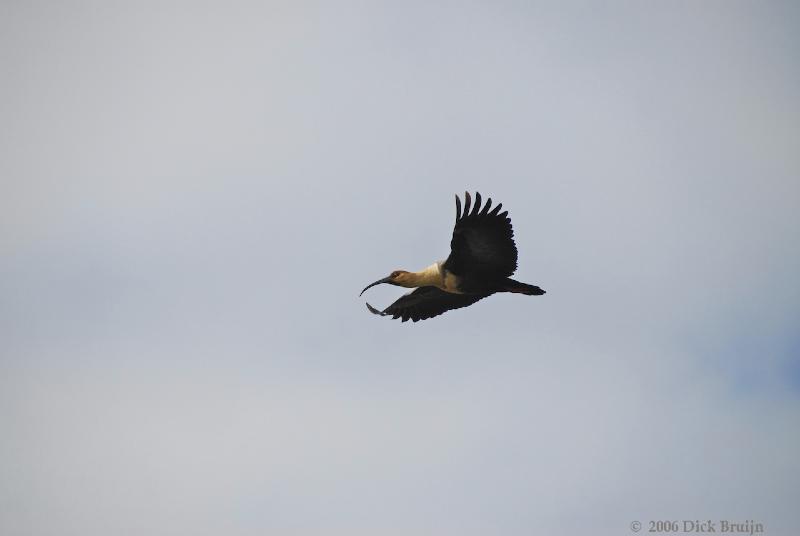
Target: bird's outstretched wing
x: 483, y: 241
x: 426, y: 302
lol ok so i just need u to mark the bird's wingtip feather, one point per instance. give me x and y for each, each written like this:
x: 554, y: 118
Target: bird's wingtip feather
x: 373, y: 310
x: 487, y: 206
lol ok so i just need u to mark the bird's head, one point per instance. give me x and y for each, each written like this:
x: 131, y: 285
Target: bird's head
x: 398, y: 277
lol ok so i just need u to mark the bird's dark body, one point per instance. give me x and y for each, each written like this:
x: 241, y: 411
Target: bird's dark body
x: 482, y: 258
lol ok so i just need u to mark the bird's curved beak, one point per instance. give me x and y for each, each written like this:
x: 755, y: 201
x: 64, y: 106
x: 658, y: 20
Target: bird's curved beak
x: 378, y: 282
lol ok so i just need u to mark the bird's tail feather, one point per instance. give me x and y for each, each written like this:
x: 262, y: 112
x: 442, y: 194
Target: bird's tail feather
x: 521, y: 288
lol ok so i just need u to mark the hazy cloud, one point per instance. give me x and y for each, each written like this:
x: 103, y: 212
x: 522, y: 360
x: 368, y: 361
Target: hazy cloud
x: 193, y: 197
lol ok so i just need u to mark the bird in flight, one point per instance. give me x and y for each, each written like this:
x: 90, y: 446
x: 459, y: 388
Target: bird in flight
x: 482, y: 257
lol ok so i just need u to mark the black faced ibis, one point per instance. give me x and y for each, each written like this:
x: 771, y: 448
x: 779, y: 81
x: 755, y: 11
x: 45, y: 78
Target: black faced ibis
x: 482, y: 257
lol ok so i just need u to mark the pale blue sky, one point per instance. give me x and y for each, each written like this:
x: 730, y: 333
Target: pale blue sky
x: 192, y: 197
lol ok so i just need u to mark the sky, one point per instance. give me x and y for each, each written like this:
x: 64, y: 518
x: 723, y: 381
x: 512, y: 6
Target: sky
x: 192, y: 196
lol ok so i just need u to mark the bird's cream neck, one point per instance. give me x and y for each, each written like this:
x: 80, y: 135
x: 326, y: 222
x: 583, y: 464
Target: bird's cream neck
x: 428, y: 277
